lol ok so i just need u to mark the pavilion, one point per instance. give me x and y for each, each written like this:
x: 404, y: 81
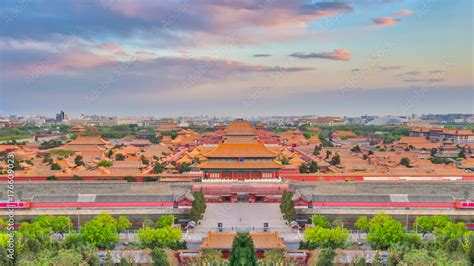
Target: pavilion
x: 240, y: 156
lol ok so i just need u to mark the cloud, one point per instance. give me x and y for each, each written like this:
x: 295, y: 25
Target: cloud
x: 261, y: 55
x: 338, y: 54
x: 326, y: 8
x: 385, y: 21
x: 414, y: 80
x: 410, y: 73
x: 169, y: 23
x: 388, y: 68
x: 36, y: 59
x: 438, y: 71
x: 405, y: 12
x: 113, y: 48
x: 430, y: 80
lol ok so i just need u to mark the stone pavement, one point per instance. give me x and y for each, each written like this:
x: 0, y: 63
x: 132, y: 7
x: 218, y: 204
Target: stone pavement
x: 243, y: 217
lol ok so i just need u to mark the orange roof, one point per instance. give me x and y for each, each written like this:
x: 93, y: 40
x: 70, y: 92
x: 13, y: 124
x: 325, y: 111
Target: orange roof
x: 240, y: 165
x: 88, y: 140
x: 261, y: 240
x: 460, y: 132
x: 78, y: 129
x: 468, y: 163
x: 247, y: 150
x: 411, y: 140
x: 240, y: 127
x: 240, y: 140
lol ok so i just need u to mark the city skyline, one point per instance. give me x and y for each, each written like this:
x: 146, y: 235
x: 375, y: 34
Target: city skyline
x: 252, y: 58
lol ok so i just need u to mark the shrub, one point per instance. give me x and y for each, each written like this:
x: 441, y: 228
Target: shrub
x: 150, y: 178
x: 130, y: 179
x: 51, y: 177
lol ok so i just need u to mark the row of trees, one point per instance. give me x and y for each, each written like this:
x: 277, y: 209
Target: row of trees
x: 450, y: 244
x: 199, y: 206
x: 36, y: 246
x: 287, y: 206
x: 453, y: 244
x: 324, y: 234
x: 163, y: 235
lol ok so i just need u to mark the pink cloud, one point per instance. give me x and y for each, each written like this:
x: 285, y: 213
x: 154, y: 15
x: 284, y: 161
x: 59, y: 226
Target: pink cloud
x: 72, y: 60
x: 256, y: 21
x: 113, y: 48
x: 385, y: 21
x: 405, y: 12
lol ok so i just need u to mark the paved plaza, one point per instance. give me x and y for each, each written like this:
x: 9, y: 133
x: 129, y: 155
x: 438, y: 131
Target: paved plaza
x: 243, y: 217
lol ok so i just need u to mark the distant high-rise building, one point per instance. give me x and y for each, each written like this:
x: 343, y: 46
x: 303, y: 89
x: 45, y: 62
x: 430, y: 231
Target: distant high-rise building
x: 60, y: 117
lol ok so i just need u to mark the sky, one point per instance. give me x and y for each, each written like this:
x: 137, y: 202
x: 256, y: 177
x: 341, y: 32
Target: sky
x: 236, y: 58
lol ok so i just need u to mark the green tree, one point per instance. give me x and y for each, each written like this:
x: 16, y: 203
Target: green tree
x: 362, y: 223
x: 304, y: 168
x: 158, y: 168
x: 211, y: 257
x: 184, y: 167
x: 73, y: 240
x: 274, y: 257
x: 470, y: 248
x: 159, y: 257
x: 35, y: 232
x: 427, y: 224
x: 335, y: 160
x: 104, y: 163
x: 418, y: 257
x: 199, y: 206
x: 384, y: 231
x: 159, y: 237
x: 78, y: 160
x: 119, y: 157
x: 58, y: 224
x: 144, y: 160
x: 68, y: 257
x: 313, y: 167
x: 123, y: 223
x: 451, y: 231
x: 287, y: 206
x: 55, y: 166
x: 356, y: 149
x: 3, y: 224
x: 317, y: 149
x: 326, y: 237
x: 320, y: 221
x: 326, y: 257
x: 165, y: 221
x: 284, y: 161
x: 243, y: 252
x: 101, y: 231
x: 130, y: 178
x: 405, y: 162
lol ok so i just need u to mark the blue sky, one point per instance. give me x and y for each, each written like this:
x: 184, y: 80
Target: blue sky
x: 237, y: 58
